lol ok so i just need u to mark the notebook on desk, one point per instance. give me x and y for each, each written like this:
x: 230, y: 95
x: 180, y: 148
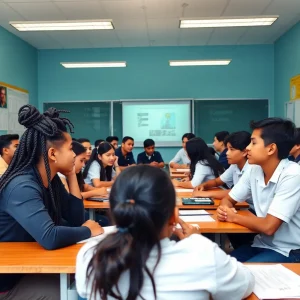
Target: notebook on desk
x: 98, y: 199
x: 197, y: 201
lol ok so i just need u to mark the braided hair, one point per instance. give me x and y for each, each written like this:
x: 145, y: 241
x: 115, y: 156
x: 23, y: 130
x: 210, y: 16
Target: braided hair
x: 42, y: 129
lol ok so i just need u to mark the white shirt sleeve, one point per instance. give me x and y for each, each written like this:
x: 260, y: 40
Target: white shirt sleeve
x: 286, y: 199
x: 242, y: 190
x: 233, y: 279
x: 201, y: 172
x: 227, y: 176
x: 94, y: 171
x: 177, y: 157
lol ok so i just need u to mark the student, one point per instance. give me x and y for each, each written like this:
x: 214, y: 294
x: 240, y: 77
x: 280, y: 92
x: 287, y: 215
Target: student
x: 273, y: 183
x: 34, y: 205
x: 114, y: 140
x: 181, y: 159
x: 86, y: 190
x: 236, y: 144
x: 8, y: 146
x: 220, y: 147
x: 87, y: 145
x: 141, y: 260
x: 98, y: 142
x: 204, y: 165
x: 295, y: 152
x: 237, y: 158
x: 102, y: 167
x: 124, y: 153
x: 150, y: 156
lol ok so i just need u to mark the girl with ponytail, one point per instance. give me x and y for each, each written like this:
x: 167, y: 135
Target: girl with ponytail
x: 34, y: 206
x: 139, y: 261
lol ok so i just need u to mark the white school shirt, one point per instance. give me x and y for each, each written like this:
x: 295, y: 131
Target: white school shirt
x: 202, y: 174
x: 279, y: 198
x: 192, y: 269
x: 233, y: 174
x: 94, y: 173
x: 181, y: 157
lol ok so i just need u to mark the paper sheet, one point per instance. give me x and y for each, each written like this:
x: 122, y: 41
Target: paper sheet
x: 275, y: 282
x: 183, y: 212
x: 184, y: 190
x: 183, y: 170
x: 203, y: 218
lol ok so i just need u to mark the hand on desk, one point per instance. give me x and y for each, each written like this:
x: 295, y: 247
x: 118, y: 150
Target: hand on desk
x: 201, y: 187
x: 225, y: 213
x: 200, y: 193
x: 186, y: 230
x: 94, y: 227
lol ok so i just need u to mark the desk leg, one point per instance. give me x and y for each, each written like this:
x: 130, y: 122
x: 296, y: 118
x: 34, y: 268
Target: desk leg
x: 64, y: 285
x: 92, y: 214
x: 218, y: 239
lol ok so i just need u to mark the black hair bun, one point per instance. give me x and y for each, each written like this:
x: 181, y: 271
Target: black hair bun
x: 29, y: 116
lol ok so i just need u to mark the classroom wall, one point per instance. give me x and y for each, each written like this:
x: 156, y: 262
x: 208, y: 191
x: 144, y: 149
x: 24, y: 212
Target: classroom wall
x: 287, y: 65
x: 18, y: 64
x: 148, y: 75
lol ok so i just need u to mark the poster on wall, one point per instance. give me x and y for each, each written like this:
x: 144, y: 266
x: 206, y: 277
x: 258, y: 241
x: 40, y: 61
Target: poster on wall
x: 11, y: 99
x: 295, y: 88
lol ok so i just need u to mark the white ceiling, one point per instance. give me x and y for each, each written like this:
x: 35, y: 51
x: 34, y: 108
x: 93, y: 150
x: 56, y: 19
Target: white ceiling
x: 141, y: 23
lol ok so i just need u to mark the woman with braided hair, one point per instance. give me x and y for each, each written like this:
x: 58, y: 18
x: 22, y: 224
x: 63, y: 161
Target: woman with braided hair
x: 34, y: 205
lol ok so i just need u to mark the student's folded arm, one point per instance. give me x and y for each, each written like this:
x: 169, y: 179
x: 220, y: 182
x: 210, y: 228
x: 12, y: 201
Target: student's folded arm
x: 25, y: 205
x: 97, y: 183
x: 267, y: 225
x: 233, y: 279
x: 211, y: 193
x: 185, y: 184
x: 284, y: 206
x: 161, y: 164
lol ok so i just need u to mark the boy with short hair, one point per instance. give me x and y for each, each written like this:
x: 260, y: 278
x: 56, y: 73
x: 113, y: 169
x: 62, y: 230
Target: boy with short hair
x: 114, y: 140
x: 124, y: 153
x: 295, y: 152
x: 220, y: 147
x: 273, y: 183
x: 150, y: 156
x: 8, y: 146
x: 181, y: 159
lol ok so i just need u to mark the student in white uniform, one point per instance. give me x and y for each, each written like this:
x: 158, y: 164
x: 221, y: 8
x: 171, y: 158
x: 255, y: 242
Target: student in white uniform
x: 102, y: 167
x: 204, y: 165
x: 181, y: 159
x: 274, y: 186
x: 143, y: 207
x: 295, y: 152
x: 237, y: 158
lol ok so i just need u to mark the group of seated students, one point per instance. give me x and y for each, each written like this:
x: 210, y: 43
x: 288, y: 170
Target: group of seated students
x: 46, y: 175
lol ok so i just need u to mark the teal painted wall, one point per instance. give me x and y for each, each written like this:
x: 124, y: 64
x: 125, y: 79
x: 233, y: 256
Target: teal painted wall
x: 18, y: 64
x: 287, y: 65
x: 148, y: 75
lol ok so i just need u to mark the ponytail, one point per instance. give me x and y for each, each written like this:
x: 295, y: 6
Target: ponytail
x: 142, y: 200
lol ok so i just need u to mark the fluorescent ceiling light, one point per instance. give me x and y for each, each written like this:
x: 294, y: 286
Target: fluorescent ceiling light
x: 182, y: 63
x: 108, y: 64
x: 63, y: 25
x: 228, y: 22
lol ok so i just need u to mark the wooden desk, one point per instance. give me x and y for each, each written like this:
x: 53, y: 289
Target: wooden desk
x: 31, y: 258
x: 35, y: 259
x: 295, y: 267
x: 92, y: 205
x: 176, y: 174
